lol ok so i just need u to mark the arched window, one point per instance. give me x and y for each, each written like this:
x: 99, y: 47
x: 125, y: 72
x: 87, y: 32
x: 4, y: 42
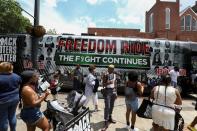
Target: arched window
x: 151, y: 23
x: 167, y: 11
x: 194, y: 24
x: 188, y: 22
x: 182, y: 23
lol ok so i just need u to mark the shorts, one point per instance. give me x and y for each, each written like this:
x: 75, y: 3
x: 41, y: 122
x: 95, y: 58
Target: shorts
x: 31, y: 115
x: 132, y: 104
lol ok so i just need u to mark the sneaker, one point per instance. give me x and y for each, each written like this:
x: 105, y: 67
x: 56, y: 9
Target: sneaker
x: 128, y: 127
x: 112, y: 121
x: 191, y: 128
x: 135, y: 129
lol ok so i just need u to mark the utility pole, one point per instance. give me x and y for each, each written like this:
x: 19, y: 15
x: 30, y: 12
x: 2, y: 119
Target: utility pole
x: 35, y: 39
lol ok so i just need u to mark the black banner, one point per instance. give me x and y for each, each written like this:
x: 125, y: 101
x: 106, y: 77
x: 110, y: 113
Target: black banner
x: 80, y: 123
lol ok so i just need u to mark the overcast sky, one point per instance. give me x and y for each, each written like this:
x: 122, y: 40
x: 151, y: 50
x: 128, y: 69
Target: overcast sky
x: 75, y: 16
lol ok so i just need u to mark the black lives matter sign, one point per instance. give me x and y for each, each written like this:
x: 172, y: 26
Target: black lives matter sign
x: 8, y: 49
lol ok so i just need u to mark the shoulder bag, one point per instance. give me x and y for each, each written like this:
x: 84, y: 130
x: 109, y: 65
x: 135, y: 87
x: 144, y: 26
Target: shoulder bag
x: 145, y: 109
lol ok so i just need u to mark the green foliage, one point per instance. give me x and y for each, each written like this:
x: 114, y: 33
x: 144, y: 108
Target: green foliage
x: 11, y: 18
x: 51, y: 32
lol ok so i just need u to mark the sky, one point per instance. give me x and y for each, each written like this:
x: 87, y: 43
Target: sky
x: 75, y: 16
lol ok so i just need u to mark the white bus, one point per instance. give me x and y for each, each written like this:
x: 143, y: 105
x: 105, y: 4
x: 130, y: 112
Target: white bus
x: 150, y: 57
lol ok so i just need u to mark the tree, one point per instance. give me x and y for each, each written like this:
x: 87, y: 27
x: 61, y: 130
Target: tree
x: 51, y: 32
x: 11, y: 18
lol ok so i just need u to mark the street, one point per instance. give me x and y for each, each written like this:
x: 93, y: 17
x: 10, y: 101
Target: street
x: 96, y: 118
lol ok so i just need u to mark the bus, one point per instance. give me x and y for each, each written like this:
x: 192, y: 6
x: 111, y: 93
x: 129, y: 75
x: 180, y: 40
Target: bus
x: 149, y: 57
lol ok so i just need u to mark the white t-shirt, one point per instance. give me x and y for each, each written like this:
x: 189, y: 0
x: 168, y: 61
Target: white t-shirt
x: 111, y: 77
x: 174, y: 74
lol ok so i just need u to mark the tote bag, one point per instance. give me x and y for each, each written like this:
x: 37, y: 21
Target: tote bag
x: 145, y: 109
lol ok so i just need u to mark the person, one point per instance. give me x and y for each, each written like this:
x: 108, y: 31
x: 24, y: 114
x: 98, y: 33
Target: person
x: 49, y: 67
x: 191, y: 126
x: 58, y: 72
x: 167, y: 61
x: 49, y: 42
x: 49, y: 51
x: 77, y: 78
x: 132, y: 91
x: 174, y: 75
x: 109, y: 80
x: 89, y: 86
x: 157, y: 59
x: 9, y: 96
x: 53, y: 85
x: 41, y: 56
x: 30, y: 112
x: 166, y: 97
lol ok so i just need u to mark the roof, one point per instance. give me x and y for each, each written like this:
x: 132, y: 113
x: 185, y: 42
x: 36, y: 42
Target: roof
x: 188, y: 8
x: 194, y: 8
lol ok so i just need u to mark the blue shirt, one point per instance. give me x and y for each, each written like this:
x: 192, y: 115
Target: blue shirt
x: 9, y: 87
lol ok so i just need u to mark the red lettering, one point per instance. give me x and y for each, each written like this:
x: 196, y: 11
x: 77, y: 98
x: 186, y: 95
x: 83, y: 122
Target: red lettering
x: 84, y: 45
x: 135, y: 47
x: 138, y: 48
x: 68, y: 45
x: 100, y: 46
x: 92, y: 46
x: 146, y: 49
x: 110, y: 47
x: 161, y: 71
x: 61, y: 42
x: 77, y: 44
x: 124, y: 47
x: 132, y: 48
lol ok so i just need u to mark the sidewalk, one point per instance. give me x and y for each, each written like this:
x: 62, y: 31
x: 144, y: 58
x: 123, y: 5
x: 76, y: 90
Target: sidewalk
x: 188, y: 114
x: 97, y: 118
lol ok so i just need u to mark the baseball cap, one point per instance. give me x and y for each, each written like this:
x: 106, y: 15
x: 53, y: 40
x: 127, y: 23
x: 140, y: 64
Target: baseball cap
x: 111, y: 66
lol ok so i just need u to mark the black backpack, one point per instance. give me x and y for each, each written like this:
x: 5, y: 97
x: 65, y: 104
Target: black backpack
x: 95, y: 89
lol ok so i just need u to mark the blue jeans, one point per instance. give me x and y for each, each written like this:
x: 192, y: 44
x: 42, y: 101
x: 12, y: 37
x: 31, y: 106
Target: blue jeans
x: 8, y: 114
x: 109, y: 99
x: 174, y: 84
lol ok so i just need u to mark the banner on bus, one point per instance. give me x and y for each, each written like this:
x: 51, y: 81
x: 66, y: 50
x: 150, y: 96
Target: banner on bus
x: 8, y: 49
x: 123, y: 61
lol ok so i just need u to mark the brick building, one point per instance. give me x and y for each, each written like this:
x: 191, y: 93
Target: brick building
x: 163, y: 20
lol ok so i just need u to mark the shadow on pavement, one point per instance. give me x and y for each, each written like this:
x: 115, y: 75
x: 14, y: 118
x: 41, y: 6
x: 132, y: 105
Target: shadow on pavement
x: 97, y: 126
x: 121, y: 129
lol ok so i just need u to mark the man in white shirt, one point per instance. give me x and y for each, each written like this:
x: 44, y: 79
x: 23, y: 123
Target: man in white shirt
x: 110, y: 95
x: 174, y: 74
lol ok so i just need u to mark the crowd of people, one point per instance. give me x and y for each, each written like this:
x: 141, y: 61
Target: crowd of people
x: 21, y: 90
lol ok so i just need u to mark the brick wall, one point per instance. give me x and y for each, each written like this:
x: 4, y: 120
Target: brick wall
x: 159, y: 30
